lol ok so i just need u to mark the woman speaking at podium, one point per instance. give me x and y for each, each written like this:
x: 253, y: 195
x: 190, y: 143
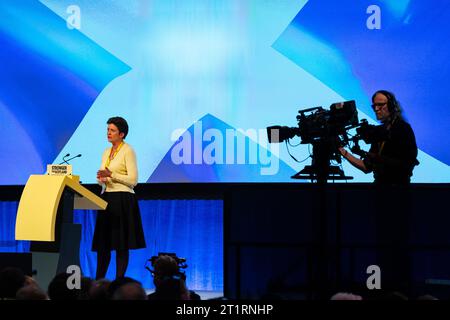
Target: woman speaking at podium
x: 119, y: 227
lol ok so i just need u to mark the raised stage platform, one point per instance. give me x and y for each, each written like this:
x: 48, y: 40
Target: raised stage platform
x: 304, y: 241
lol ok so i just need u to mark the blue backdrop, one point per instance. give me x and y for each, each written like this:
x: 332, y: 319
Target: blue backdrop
x: 169, y: 67
x: 190, y: 228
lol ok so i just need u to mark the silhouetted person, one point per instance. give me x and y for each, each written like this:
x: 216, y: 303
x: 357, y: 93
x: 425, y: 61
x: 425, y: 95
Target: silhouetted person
x: 344, y: 296
x: 99, y: 290
x: 31, y: 292
x: 130, y: 291
x: 391, y: 158
x: 118, y: 283
x: 58, y: 288
x: 86, y: 284
x: 11, y: 280
x: 393, y: 150
x: 169, y: 281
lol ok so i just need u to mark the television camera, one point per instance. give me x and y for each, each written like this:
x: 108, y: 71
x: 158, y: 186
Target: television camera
x: 181, y: 263
x: 326, y: 130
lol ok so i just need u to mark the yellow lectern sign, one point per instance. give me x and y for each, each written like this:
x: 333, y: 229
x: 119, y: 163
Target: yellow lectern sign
x: 59, y: 169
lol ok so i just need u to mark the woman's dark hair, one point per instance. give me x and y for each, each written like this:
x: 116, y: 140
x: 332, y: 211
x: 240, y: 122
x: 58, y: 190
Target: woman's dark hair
x: 120, y: 123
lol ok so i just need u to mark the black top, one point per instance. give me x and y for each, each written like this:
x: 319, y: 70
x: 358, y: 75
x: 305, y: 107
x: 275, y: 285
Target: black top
x: 393, y: 158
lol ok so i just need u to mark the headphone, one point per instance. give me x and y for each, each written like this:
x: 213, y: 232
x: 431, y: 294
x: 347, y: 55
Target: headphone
x: 393, y: 105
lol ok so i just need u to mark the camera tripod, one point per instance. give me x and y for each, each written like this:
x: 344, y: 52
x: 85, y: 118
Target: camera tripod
x: 320, y: 170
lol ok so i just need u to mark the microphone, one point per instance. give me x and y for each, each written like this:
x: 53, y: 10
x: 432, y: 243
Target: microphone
x: 77, y: 156
x: 67, y: 161
x: 64, y: 158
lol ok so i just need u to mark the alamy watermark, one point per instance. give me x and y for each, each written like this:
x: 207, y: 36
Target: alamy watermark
x: 73, y: 21
x: 373, y: 22
x: 234, y: 146
x: 374, y: 280
x: 74, y: 280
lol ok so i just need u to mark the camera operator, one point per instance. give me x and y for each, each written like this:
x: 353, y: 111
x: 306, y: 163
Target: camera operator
x: 393, y: 151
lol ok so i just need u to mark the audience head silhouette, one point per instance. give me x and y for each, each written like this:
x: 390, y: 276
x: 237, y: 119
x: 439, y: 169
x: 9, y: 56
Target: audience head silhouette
x: 11, y: 280
x: 169, y: 281
x: 31, y: 292
x: 130, y: 291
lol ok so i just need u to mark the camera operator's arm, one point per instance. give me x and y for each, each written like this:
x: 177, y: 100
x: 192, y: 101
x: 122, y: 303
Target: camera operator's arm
x: 357, y: 163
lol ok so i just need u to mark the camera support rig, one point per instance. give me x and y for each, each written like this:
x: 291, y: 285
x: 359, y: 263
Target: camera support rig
x: 322, y: 129
x: 320, y: 169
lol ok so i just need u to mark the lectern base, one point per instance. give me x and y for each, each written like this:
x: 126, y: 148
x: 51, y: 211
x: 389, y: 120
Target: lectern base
x: 66, y: 246
x: 52, y: 258
x: 45, y: 265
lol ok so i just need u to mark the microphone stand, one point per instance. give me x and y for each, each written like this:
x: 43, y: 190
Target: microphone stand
x: 66, y: 161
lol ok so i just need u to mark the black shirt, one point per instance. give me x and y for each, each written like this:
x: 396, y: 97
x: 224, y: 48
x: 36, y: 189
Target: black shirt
x: 393, y: 157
